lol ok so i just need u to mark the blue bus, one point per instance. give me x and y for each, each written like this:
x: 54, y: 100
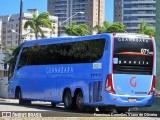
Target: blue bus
x: 104, y: 71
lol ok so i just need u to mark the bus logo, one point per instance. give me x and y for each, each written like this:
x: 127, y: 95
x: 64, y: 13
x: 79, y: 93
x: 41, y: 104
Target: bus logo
x: 131, y: 82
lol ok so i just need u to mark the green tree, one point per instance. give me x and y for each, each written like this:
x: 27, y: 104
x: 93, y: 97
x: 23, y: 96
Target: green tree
x: 9, y: 54
x: 150, y: 31
x: 102, y: 29
x: 110, y: 28
x: 11, y: 49
x: 76, y: 30
x: 41, y: 19
x: 143, y: 27
x: 117, y: 27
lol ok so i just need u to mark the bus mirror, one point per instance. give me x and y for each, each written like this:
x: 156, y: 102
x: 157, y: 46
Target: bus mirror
x: 19, y: 66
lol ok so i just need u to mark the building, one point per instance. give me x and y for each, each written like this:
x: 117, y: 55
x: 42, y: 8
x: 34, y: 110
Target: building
x: 3, y: 77
x: 10, y: 28
x: 0, y: 35
x: 64, y: 9
x: 134, y: 12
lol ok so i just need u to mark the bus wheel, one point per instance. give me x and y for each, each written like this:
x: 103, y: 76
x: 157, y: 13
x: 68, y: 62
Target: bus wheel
x: 105, y: 109
x: 80, y: 102
x: 68, y: 100
x: 90, y: 109
x: 53, y: 104
x: 21, y: 101
x: 20, y: 97
x: 122, y: 109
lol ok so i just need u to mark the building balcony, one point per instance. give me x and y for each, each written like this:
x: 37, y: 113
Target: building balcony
x: 135, y: 27
x: 140, y: 8
x: 140, y: 14
x: 77, y: 20
x: 140, y: 2
x: 60, y: 8
x: 138, y: 21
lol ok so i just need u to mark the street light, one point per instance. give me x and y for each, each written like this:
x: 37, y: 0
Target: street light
x: 60, y: 23
x: 21, y: 36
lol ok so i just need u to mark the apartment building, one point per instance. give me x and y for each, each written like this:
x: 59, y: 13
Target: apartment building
x: 93, y: 12
x: 3, y: 77
x: 10, y: 28
x: 134, y: 12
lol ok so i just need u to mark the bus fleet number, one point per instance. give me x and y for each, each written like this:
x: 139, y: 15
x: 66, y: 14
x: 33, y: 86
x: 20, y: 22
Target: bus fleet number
x: 145, y: 51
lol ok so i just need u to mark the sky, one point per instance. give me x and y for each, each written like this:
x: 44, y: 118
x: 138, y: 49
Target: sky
x: 8, y: 7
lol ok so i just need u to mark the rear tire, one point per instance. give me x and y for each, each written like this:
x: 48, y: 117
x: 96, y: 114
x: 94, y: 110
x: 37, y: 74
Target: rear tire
x: 105, y: 109
x: 68, y: 100
x: 53, y: 104
x: 122, y: 109
x: 80, y: 102
x: 90, y: 109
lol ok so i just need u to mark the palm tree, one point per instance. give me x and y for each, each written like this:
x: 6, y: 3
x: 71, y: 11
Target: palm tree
x: 145, y: 29
x: 76, y: 30
x: 150, y: 31
x: 110, y: 28
x: 117, y: 27
x: 102, y: 29
x: 41, y: 19
x: 142, y: 27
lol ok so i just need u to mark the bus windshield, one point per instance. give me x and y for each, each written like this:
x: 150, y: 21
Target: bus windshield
x: 133, y: 56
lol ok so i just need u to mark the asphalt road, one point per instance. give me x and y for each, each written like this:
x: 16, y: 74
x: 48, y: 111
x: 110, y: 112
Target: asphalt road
x: 39, y: 107
x: 13, y: 110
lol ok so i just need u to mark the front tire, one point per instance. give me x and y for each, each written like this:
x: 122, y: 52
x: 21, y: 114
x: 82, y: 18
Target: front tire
x: 68, y: 100
x: 20, y: 97
x: 21, y: 101
x: 80, y: 102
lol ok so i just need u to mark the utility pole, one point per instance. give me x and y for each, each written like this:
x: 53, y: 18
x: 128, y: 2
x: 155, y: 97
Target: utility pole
x: 20, y: 22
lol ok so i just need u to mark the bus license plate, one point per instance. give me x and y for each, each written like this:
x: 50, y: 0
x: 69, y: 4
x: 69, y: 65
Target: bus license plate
x: 132, y: 99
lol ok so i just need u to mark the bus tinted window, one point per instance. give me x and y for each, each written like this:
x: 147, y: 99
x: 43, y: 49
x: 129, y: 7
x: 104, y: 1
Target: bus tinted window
x: 133, y: 56
x: 24, y: 57
x: 12, y: 62
x: 64, y: 53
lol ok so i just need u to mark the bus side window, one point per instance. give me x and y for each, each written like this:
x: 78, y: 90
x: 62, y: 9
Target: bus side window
x: 11, y: 68
x: 24, y: 58
x: 12, y: 62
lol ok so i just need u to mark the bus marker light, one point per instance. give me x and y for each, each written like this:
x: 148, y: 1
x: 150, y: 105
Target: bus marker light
x: 35, y: 44
x: 109, y: 84
x: 150, y: 37
x: 152, y: 90
x: 114, y: 34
